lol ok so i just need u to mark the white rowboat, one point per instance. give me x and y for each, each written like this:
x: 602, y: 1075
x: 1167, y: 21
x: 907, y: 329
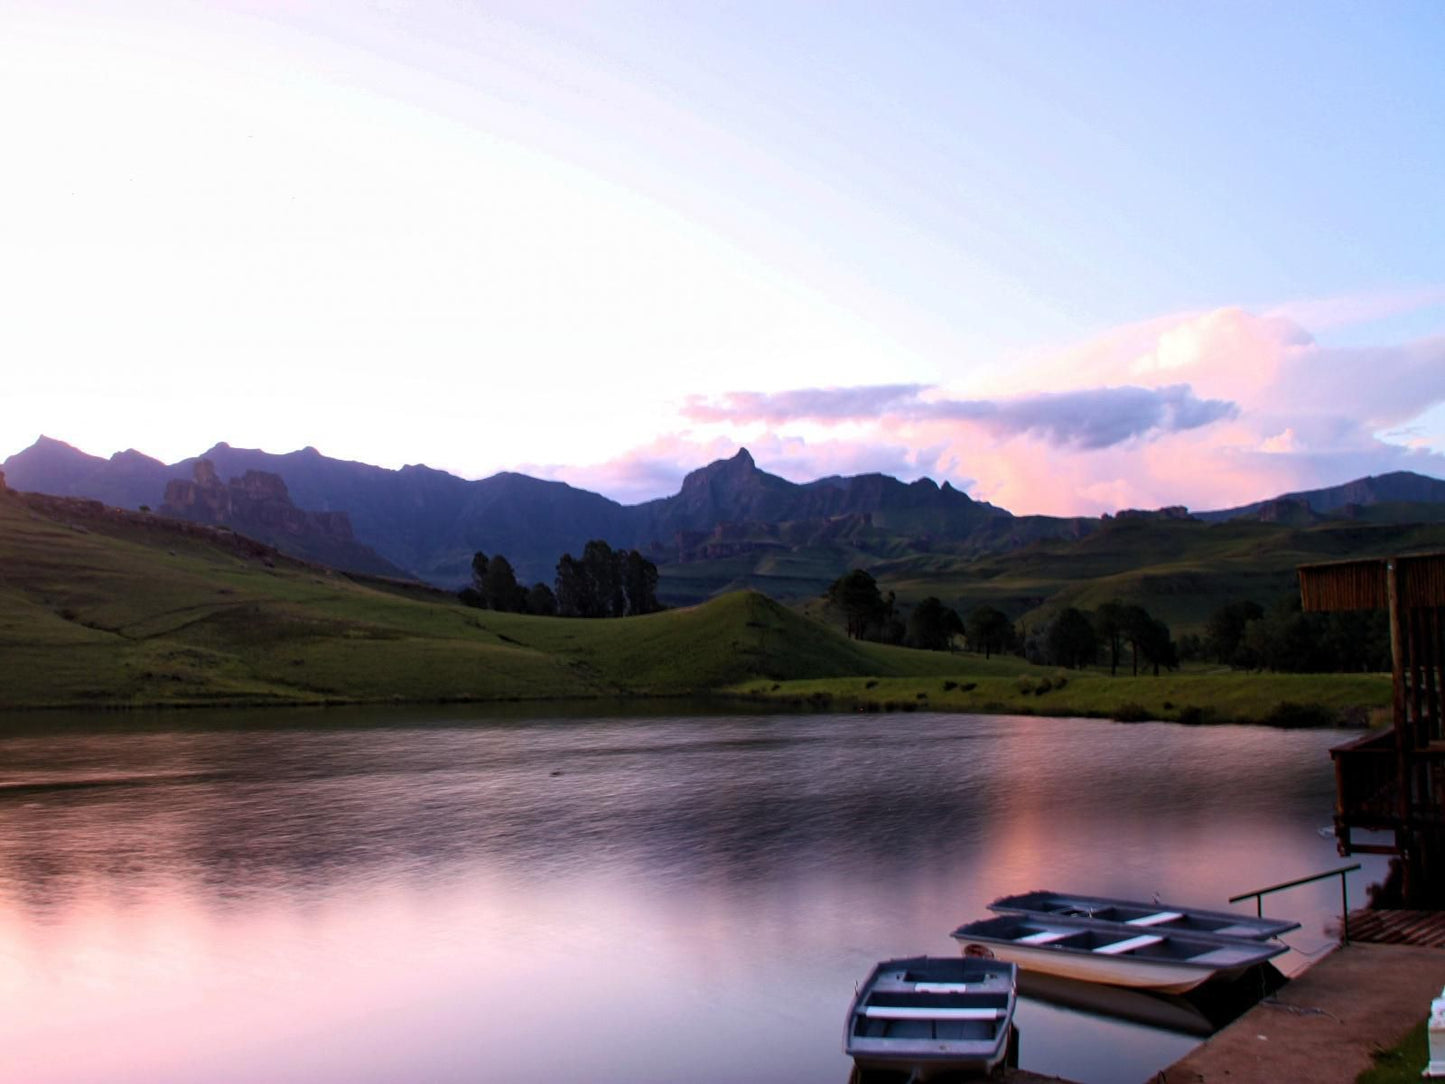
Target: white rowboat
x: 1092, y: 950
x: 929, y: 1016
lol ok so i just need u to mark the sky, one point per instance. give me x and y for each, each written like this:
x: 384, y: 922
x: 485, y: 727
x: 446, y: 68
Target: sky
x: 1069, y: 256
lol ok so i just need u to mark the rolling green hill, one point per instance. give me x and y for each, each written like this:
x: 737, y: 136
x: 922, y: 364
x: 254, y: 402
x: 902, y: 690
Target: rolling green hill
x: 1179, y: 570
x: 106, y: 607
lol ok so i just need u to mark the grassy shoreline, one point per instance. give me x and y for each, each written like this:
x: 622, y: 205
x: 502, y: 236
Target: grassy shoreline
x: 1285, y: 700
x: 102, y: 609
x: 1320, y: 700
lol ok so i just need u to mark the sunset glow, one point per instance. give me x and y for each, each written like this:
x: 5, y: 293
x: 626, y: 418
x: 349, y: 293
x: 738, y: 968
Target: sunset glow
x: 1070, y: 259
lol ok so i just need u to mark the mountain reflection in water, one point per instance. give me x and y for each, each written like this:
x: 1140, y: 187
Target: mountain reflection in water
x: 433, y: 894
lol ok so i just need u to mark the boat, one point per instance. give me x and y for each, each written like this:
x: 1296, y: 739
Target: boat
x: 932, y: 1015
x: 1152, y: 916
x: 1093, y: 950
x: 1168, y: 1012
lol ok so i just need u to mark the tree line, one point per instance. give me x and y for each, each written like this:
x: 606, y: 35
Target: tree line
x: 1244, y: 635
x: 1075, y: 638
x: 603, y: 582
x: 868, y: 614
x: 1072, y: 638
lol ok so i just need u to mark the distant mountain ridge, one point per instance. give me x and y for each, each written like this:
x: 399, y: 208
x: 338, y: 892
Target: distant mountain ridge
x: 429, y: 522
x: 1396, y: 487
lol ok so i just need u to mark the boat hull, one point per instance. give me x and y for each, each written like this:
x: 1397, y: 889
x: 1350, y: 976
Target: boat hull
x: 922, y: 1066
x: 1118, y: 954
x: 1161, y: 977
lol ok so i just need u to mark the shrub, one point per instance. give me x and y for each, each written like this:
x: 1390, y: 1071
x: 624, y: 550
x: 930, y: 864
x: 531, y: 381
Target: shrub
x: 1132, y: 713
x: 1292, y: 716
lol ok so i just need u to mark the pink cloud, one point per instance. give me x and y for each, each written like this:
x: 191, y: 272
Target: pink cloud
x: 1084, y: 418
x: 1208, y: 409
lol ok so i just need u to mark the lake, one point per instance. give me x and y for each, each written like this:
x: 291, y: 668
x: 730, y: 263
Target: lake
x: 447, y: 894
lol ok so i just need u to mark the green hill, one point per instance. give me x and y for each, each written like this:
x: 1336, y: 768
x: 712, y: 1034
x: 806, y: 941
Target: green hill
x: 1179, y: 570
x: 106, y: 607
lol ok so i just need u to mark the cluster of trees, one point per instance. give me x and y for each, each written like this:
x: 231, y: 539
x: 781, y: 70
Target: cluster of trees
x: 989, y: 630
x: 1076, y: 638
x: 1244, y: 635
x: 603, y: 582
x: 494, y: 586
x: 870, y: 615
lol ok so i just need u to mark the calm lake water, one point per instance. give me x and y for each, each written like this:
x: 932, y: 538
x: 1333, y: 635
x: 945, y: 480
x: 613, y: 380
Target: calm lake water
x: 443, y: 895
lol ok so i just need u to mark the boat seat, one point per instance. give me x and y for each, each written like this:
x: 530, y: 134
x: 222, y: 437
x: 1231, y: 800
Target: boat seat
x: 1227, y: 957
x: 1156, y: 919
x: 1044, y: 937
x: 1144, y: 940
x: 910, y: 1012
x: 1251, y: 933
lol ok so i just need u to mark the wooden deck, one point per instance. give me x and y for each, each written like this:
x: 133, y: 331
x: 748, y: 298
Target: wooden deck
x: 1423, y: 928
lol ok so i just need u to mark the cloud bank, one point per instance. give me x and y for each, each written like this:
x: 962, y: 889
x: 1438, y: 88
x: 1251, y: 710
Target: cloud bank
x: 1089, y: 418
x: 1207, y: 409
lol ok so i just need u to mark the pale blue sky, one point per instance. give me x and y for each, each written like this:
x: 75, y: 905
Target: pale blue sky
x: 583, y: 240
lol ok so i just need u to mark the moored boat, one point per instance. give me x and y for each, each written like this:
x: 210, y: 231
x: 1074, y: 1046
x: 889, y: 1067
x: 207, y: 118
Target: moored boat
x: 1093, y: 950
x: 932, y: 1015
x: 1154, y: 917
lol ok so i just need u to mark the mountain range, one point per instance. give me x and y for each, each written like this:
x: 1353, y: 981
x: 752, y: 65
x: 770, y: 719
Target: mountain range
x: 729, y: 517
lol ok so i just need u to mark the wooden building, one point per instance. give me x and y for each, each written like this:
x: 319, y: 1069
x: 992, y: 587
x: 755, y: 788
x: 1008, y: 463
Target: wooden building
x: 1394, y: 780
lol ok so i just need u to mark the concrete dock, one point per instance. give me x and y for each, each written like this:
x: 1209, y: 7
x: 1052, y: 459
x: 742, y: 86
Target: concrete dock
x: 1325, y: 1025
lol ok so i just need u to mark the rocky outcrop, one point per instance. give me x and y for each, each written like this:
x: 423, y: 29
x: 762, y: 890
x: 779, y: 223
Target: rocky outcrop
x: 258, y: 504
x: 1173, y: 511
x: 257, y: 499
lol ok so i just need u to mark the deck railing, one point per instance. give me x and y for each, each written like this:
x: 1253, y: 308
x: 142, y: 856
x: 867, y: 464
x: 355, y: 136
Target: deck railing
x: 1259, y: 895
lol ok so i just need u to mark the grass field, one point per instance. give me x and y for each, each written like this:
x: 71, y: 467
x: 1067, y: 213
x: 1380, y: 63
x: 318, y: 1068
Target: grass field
x: 117, y: 609
x: 111, y: 608
x: 1014, y: 687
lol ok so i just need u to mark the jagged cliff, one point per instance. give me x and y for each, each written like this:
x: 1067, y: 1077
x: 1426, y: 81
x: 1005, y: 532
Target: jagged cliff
x: 258, y: 504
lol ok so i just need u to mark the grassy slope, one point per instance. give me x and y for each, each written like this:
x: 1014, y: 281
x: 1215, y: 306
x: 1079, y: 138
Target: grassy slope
x: 1180, y: 571
x: 119, y: 609
x: 100, y: 607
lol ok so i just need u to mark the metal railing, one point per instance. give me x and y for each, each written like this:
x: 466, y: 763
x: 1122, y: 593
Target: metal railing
x: 1344, y: 896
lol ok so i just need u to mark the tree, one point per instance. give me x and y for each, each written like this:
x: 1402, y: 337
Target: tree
x: 1111, y: 620
x: 932, y: 625
x: 988, y: 630
x: 639, y: 583
x: 574, y: 590
x: 856, y: 594
x: 1224, y: 632
x: 599, y: 565
x: 1070, y: 641
x: 1157, y: 646
x: 541, y: 601
x: 499, y: 588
